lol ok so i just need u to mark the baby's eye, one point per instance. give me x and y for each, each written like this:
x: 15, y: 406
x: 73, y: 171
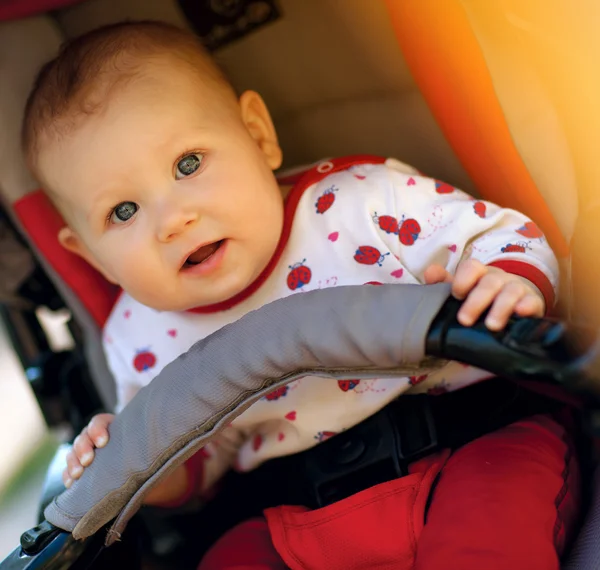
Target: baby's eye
x: 187, y: 165
x: 123, y: 212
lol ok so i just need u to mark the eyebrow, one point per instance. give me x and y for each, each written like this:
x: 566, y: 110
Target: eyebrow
x: 98, y: 202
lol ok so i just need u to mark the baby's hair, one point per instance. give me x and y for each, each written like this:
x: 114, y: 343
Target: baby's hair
x: 88, y: 69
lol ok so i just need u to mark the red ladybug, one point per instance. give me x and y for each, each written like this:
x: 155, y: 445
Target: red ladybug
x: 388, y: 224
x: 144, y: 360
x: 414, y: 380
x: 443, y: 188
x: 276, y: 394
x: 530, y: 230
x: 409, y: 231
x: 326, y: 200
x: 346, y: 385
x: 514, y: 248
x: 324, y: 435
x: 479, y: 208
x: 299, y: 276
x: 369, y: 255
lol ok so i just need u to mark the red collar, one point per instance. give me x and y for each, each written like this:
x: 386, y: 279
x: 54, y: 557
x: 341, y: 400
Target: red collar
x: 301, y: 181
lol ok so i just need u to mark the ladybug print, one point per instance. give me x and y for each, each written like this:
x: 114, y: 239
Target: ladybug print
x: 326, y: 200
x: 409, y: 231
x: 479, y: 208
x: 324, y: 435
x: 414, y: 380
x: 299, y: 276
x: 144, y: 360
x: 443, y: 188
x: 369, y: 255
x: 531, y: 230
x: 347, y: 385
x: 514, y: 248
x: 257, y: 442
x: 276, y: 394
x: 388, y: 224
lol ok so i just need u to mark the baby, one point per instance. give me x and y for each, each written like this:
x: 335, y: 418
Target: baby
x: 165, y: 179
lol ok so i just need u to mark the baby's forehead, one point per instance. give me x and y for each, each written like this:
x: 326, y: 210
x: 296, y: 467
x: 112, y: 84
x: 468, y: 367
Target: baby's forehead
x: 147, y: 78
x: 90, y: 71
x: 167, y: 79
x: 107, y: 99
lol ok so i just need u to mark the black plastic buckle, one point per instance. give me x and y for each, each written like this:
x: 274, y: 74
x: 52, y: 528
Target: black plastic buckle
x: 37, y: 538
x: 377, y: 450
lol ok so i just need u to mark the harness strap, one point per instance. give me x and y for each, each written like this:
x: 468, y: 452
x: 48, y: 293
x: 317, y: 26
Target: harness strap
x: 383, y: 447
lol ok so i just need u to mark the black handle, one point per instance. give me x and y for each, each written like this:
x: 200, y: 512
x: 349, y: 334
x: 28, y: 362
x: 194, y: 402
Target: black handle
x: 541, y: 349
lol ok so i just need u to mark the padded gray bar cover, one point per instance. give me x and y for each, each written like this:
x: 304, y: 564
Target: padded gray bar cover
x: 342, y: 332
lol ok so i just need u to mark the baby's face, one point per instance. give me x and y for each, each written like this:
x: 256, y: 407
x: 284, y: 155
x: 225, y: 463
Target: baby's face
x: 169, y: 192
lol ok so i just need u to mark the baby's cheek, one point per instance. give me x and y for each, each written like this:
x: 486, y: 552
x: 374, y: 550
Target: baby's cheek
x: 131, y: 263
x: 144, y: 278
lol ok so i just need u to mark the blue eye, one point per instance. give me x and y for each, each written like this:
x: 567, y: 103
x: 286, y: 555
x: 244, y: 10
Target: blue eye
x: 187, y: 165
x: 123, y: 212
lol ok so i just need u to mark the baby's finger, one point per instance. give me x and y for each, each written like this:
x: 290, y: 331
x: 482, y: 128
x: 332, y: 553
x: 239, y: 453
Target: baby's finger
x: 66, y: 478
x: 530, y: 306
x: 84, y: 448
x: 468, y: 274
x: 74, y: 467
x: 504, y: 305
x: 98, y: 429
x: 479, y: 299
x: 435, y: 273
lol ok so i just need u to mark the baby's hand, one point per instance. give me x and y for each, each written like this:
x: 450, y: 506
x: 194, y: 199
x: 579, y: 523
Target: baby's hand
x: 482, y: 286
x: 82, y: 453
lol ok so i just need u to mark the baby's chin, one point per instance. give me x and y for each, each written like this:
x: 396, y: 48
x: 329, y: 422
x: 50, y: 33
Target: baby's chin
x: 177, y: 306
x: 181, y: 302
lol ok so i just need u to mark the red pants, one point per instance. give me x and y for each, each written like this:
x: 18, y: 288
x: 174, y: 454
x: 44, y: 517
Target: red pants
x: 508, y: 500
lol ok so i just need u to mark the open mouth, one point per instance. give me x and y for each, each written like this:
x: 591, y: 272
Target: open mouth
x: 202, y: 254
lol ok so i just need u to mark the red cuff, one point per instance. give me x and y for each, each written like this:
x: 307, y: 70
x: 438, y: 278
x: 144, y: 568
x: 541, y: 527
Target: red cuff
x: 195, y: 472
x: 531, y: 273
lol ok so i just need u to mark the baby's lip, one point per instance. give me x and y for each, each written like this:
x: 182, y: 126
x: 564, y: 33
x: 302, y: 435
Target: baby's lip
x: 201, y: 253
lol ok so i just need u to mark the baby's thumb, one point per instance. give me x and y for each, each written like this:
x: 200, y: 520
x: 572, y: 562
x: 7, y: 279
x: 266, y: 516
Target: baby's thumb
x: 67, y: 481
x: 435, y: 273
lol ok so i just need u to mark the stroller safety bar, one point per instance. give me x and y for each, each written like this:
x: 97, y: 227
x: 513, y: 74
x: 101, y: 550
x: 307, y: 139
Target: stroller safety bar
x: 342, y: 333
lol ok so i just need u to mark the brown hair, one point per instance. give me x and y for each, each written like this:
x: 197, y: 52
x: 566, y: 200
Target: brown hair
x: 87, y: 70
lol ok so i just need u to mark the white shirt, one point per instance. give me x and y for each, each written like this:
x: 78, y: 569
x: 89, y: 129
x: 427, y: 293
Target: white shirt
x: 352, y: 221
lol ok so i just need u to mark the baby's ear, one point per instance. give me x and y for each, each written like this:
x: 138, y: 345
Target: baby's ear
x: 258, y: 121
x: 69, y: 239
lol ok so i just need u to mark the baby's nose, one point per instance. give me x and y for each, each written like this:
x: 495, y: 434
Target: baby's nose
x: 173, y: 224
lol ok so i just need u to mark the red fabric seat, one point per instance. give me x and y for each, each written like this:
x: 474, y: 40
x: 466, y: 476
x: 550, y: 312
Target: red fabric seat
x: 42, y: 223
x: 14, y: 9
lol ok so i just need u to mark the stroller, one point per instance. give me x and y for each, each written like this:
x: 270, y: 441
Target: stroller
x: 472, y: 121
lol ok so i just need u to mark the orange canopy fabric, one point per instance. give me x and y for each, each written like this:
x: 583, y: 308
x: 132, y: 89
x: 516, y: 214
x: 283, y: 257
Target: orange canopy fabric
x: 447, y: 63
